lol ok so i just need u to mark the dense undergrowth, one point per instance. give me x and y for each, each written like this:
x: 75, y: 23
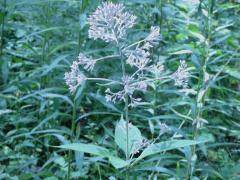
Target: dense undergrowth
x: 191, y: 132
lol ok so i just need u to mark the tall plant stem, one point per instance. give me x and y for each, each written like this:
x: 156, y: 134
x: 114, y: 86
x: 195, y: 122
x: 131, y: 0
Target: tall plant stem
x: 161, y: 17
x: 200, y: 99
x: 74, y: 117
x: 3, y: 24
x: 72, y: 139
x: 80, y: 4
x: 125, y: 108
x: 126, y: 116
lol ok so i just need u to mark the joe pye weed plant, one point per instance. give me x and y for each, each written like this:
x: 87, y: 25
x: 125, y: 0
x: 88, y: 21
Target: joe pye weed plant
x: 148, y: 85
x: 140, y: 72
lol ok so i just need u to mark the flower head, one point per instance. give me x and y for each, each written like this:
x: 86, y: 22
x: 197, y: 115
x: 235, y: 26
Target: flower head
x: 181, y: 75
x: 157, y: 69
x: 139, y: 145
x: 138, y: 57
x: 154, y: 35
x: 110, y: 22
x: 113, y: 97
x: 74, y: 78
x: 88, y: 63
x: 129, y: 88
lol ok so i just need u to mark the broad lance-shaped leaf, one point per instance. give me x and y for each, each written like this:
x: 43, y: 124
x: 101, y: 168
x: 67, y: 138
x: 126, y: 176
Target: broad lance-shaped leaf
x: 96, y: 150
x: 117, y: 162
x: 134, y: 135
x: 87, y: 148
x: 165, y: 146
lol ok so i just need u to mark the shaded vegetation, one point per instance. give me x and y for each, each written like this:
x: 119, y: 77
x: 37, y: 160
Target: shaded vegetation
x: 39, y: 41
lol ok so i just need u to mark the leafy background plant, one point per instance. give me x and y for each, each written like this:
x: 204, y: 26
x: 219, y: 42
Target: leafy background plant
x: 39, y: 40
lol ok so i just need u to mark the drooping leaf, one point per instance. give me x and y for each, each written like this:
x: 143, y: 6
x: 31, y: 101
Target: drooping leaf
x: 166, y: 146
x: 87, y: 148
x: 96, y: 150
x: 182, y: 52
x: 134, y: 135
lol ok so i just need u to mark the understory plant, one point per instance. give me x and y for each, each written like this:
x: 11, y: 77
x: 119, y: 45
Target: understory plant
x: 140, y: 71
x: 151, y: 90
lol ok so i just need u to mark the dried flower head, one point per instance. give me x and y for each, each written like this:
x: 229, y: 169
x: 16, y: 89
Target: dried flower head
x: 129, y: 87
x: 139, y: 145
x: 154, y: 35
x: 87, y: 62
x: 110, y: 22
x: 147, y: 46
x: 74, y: 78
x: 181, y: 75
x: 113, y: 97
x: 164, y: 128
x: 140, y: 86
x: 138, y: 57
x: 156, y: 69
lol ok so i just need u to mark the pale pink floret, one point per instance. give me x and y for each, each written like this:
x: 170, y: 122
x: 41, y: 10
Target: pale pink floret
x: 74, y: 78
x: 110, y: 22
x: 181, y: 75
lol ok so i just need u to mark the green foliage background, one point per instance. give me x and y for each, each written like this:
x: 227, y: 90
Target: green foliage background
x: 39, y: 40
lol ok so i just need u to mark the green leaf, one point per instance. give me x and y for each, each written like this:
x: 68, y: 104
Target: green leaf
x: 165, y: 146
x: 199, y: 36
x: 121, y: 136
x: 182, y: 52
x: 102, y: 100
x: 50, y: 67
x: 96, y: 150
x: 117, y: 162
x: 53, y: 95
x: 87, y: 148
x: 233, y: 72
